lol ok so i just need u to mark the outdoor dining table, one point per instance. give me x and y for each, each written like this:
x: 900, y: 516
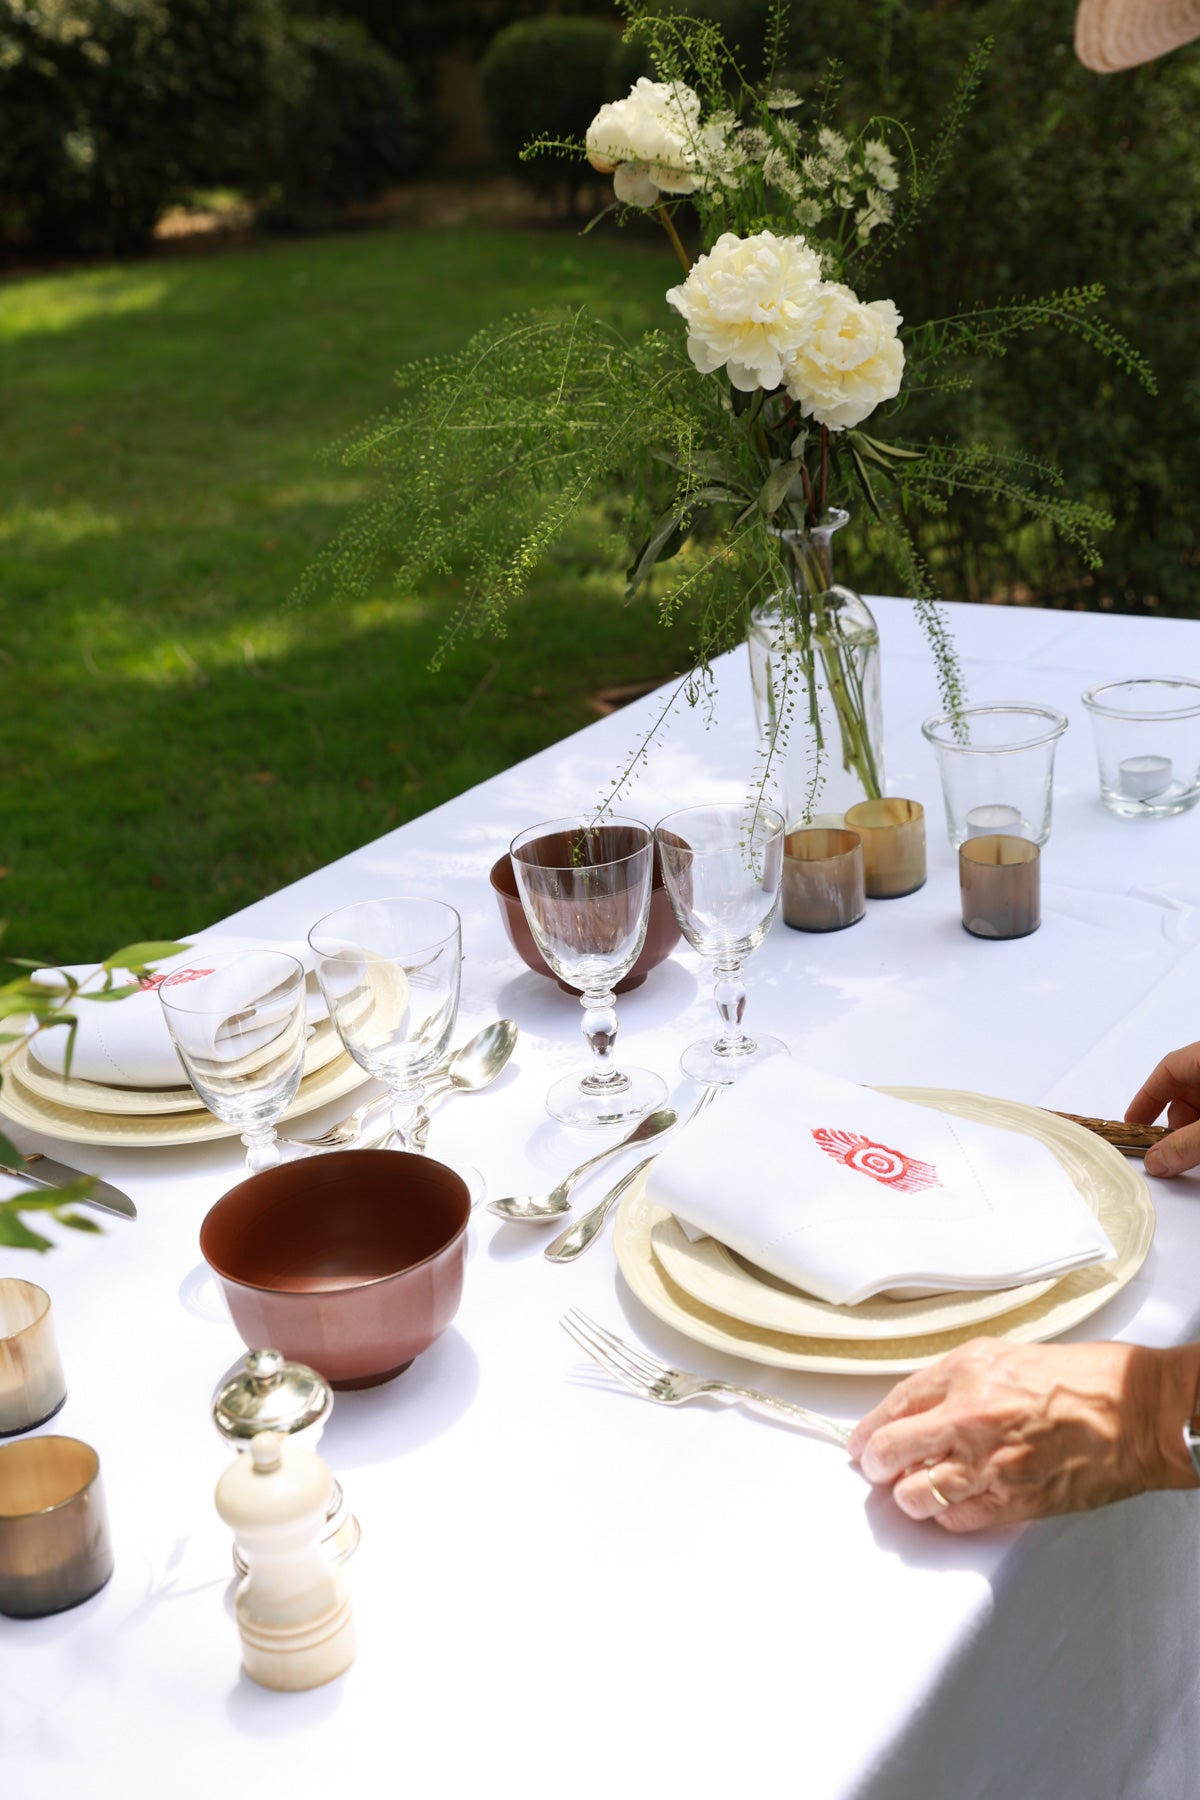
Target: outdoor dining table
x: 562, y: 1588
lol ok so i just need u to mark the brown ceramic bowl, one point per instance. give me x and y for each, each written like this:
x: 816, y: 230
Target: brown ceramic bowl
x: 351, y: 1262
x: 662, y: 931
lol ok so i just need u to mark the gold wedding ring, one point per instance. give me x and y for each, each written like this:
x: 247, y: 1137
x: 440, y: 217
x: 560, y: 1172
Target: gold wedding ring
x: 934, y: 1489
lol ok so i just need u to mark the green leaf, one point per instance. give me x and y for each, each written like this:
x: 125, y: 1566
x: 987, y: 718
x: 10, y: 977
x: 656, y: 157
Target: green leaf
x: 115, y: 993
x: 137, y: 956
x: 865, y: 481
x: 16, y: 1235
x: 776, y: 488
x: 77, y: 1221
x: 9, y: 1152
x: 667, y: 538
x: 25, y: 962
x: 896, y: 452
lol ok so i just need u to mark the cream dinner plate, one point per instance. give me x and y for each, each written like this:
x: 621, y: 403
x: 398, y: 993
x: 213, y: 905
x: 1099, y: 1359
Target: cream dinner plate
x: 1111, y: 1186
x: 76, y: 1126
x: 322, y: 1047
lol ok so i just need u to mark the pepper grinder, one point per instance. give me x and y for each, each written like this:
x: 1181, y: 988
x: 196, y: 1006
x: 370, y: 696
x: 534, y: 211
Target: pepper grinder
x: 293, y: 1610
x: 265, y: 1392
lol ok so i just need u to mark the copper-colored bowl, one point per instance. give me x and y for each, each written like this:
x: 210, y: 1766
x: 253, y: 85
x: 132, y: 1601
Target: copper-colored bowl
x: 662, y: 930
x: 351, y: 1262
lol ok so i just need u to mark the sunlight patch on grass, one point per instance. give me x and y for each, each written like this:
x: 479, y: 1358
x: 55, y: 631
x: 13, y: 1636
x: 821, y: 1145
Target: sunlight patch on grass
x: 43, y: 307
x: 36, y: 529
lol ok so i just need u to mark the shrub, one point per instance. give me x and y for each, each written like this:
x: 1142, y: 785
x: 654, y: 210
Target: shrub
x: 350, y: 129
x: 546, y: 77
x: 112, y: 107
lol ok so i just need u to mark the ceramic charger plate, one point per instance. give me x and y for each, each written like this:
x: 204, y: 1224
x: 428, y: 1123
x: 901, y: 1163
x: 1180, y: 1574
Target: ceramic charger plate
x: 76, y: 1126
x: 322, y: 1047
x: 1111, y: 1186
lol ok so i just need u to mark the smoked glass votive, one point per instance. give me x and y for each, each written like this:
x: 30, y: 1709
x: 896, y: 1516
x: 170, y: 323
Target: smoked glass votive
x: 893, y: 845
x: 32, y: 1387
x: 1147, y: 735
x: 823, y: 886
x: 55, y: 1550
x: 997, y: 770
x: 1001, y: 887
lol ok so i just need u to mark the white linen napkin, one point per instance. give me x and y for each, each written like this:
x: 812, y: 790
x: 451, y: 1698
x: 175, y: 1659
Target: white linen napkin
x: 847, y: 1193
x: 126, y: 1043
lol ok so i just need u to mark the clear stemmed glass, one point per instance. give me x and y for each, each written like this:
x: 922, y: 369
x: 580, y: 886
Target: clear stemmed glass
x: 723, y: 866
x: 239, y: 1028
x: 585, y: 888
x: 389, y: 970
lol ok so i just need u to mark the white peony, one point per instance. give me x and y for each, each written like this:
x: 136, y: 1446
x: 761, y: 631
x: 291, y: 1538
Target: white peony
x: 851, y: 358
x: 749, y: 306
x: 651, y: 142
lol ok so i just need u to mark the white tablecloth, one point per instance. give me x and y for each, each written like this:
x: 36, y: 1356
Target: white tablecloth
x: 560, y: 1588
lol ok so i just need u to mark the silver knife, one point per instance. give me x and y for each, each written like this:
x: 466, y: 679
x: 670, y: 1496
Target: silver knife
x: 51, y: 1174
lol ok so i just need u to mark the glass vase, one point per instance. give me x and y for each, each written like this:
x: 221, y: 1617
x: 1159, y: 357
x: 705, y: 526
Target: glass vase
x: 814, y: 666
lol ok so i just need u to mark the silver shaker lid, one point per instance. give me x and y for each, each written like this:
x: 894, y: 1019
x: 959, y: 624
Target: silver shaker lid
x: 265, y: 1392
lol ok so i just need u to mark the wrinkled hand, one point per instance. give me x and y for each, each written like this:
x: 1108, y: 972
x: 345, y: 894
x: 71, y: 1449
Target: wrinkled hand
x: 1014, y: 1431
x: 1174, y: 1084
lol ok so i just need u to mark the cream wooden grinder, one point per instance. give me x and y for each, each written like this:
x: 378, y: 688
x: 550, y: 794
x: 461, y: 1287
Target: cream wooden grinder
x: 293, y: 1608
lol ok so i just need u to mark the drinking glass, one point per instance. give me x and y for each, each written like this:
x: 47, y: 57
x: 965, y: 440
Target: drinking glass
x: 723, y: 866
x: 585, y: 888
x: 239, y: 1029
x: 997, y: 770
x: 389, y: 970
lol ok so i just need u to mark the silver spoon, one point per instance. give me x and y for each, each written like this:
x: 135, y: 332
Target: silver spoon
x: 471, y: 1067
x: 538, y: 1209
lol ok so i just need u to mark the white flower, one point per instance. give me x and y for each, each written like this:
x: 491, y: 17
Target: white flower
x: 650, y: 142
x: 782, y: 99
x: 881, y: 165
x: 749, y: 305
x: 851, y: 358
x: 875, y: 210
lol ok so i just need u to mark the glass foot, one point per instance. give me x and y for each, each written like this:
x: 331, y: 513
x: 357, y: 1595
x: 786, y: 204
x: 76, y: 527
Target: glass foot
x: 573, y: 1104
x: 716, y: 1068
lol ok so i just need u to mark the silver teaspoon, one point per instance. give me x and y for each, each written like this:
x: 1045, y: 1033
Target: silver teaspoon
x: 538, y: 1209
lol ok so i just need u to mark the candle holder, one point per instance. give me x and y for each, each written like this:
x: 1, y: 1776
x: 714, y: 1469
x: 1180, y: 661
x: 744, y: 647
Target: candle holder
x: 992, y: 758
x: 823, y: 883
x: 55, y: 1550
x: 893, y: 845
x: 32, y: 1387
x: 1147, y: 733
x: 1001, y: 888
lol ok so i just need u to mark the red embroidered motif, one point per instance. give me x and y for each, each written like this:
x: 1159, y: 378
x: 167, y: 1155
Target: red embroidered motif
x: 148, y: 983
x: 891, y: 1167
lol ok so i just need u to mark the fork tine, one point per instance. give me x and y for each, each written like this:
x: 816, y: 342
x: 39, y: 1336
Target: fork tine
x: 650, y: 1367
x: 601, y: 1355
x: 585, y: 1331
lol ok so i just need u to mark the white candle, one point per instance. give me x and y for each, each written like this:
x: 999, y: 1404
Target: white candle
x: 1142, y: 777
x: 994, y: 821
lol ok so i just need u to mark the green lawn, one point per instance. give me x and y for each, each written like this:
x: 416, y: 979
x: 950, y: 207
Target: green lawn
x: 176, y: 741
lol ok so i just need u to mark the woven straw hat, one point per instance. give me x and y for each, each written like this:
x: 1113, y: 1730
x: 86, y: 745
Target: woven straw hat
x: 1119, y: 34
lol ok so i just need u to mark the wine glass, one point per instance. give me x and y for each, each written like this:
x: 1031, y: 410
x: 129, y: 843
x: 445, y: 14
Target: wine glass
x: 585, y: 888
x: 389, y: 970
x: 239, y: 1028
x: 723, y: 866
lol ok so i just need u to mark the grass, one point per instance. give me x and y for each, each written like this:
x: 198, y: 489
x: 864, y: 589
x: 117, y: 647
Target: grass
x: 176, y: 741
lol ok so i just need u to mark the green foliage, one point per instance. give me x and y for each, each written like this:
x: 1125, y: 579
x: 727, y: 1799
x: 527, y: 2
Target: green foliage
x: 1060, y: 179
x: 33, y: 1008
x: 109, y: 110
x: 546, y: 76
x: 348, y: 129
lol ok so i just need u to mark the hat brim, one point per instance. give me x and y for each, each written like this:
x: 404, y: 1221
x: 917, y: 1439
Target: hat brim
x: 1121, y: 34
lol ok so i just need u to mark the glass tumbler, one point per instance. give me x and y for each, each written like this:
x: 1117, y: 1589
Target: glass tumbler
x: 1147, y: 733
x: 997, y: 770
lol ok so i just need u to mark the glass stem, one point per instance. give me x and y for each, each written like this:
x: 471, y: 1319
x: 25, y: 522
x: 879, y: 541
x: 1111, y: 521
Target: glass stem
x: 408, y: 1119
x: 729, y: 993
x: 600, y: 1029
x: 262, y: 1149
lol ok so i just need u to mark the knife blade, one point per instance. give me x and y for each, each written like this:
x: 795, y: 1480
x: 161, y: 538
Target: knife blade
x: 53, y: 1174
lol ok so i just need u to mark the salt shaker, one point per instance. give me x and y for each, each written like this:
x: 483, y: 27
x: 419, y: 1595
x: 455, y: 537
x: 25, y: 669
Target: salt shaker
x: 293, y: 1610
x: 265, y: 1392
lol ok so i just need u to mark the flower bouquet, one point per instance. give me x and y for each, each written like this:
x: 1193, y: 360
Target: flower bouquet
x: 736, y: 430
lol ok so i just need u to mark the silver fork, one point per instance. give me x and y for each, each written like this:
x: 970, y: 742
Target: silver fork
x: 344, y: 1132
x: 655, y: 1381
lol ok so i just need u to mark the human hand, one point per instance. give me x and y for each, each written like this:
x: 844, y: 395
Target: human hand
x: 1174, y: 1084
x: 1007, y: 1432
